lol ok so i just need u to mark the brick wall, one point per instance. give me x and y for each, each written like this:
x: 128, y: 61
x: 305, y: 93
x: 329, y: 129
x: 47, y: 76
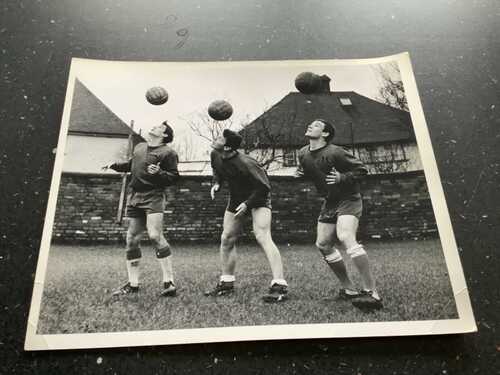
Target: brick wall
x: 395, y: 206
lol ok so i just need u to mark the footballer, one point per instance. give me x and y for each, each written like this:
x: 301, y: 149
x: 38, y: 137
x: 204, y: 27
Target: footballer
x: 249, y: 194
x: 153, y: 167
x: 336, y: 173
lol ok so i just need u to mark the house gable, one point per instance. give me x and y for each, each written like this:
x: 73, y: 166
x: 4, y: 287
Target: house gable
x: 372, y: 122
x: 90, y: 116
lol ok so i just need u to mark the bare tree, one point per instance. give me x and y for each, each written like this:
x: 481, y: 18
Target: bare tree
x: 389, y: 159
x: 263, y: 142
x: 267, y: 138
x: 207, y: 128
x: 391, y: 90
x: 185, y: 147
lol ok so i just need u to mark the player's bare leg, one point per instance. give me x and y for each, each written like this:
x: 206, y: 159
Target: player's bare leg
x: 262, y: 229
x: 325, y: 241
x: 163, y: 252
x: 347, y: 226
x: 136, y: 227
x: 228, y: 255
x: 230, y: 233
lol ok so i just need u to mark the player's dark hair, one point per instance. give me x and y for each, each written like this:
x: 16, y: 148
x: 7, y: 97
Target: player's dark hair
x: 328, y: 128
x: 233, y: 139
x: 168, y: 134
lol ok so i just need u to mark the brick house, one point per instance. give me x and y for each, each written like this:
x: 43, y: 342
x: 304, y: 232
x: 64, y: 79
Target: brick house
x: 380, y: 135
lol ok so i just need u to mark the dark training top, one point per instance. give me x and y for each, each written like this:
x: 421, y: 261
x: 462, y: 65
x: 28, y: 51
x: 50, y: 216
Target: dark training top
x: 316, y: 164
x: 145, y: 155
x: 247, y: 180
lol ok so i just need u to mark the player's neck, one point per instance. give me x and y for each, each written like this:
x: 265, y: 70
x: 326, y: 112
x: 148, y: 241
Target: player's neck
x: 315, y: 144
x: 228, y: 154
x: 155, y: 141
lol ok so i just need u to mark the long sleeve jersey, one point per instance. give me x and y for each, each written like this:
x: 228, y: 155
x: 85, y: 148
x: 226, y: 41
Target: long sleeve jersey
x: 246, y: 179
x: 316, y: 165
x: 142, y: 157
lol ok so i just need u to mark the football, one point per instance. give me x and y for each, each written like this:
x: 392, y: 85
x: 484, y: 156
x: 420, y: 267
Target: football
x: 220, y: 110
x: 307, y: 83
x: 157, y: 95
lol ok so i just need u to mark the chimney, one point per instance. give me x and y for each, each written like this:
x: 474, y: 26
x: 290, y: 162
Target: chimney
x: 324, y: 84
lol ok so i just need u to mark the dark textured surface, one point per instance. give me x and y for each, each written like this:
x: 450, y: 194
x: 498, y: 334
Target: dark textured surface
x: 455, y: 50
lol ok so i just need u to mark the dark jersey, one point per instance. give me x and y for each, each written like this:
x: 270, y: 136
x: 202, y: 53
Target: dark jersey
x: 142, y: 157
x: 316, y: 164
x: 247, y: 180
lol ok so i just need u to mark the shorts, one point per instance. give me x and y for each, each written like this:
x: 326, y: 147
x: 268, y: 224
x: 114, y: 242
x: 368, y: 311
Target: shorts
x: 143, y: 203
x: 234, y: 202
x: 330, y: 211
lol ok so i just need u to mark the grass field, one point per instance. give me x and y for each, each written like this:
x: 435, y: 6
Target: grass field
x: 411, y: 276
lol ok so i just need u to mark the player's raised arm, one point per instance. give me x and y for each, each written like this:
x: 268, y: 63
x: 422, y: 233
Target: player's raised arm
x: 299, y: 172
x: 352, y: 168
x: 168, y: 174
x: 119, y: 167
x: 216, y: 182
x: 217, y: 178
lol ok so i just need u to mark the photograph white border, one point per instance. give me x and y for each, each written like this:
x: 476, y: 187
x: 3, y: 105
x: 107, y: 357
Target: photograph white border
x: 464, y: 324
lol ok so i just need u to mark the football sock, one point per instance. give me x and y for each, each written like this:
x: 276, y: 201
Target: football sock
x: 227, y: 278
x: 133, y: 271
x: 133, y: 256
x: 337, y: 265
x: 360, y: 260
x: 351, y: 292
x: 166, y: 269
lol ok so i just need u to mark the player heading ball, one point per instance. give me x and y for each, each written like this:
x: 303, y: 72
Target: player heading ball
x: 153, y: 167
x: 249, y: 194
x: 336, y: 173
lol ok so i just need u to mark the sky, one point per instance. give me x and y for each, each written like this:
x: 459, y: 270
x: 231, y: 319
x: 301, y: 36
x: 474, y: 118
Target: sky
x: 249, y: 87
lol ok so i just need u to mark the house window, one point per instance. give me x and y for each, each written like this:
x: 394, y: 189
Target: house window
x: 289, y: 158
x: 389, y: 158
x: 344, y: 101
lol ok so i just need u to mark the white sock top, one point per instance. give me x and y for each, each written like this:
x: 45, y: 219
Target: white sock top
x: 227, y: 278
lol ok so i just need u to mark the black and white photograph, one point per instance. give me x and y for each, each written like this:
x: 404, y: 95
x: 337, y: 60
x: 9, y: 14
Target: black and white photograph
x: 198, y: 202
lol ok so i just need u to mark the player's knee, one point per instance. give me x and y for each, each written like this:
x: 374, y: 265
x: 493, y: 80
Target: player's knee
x: 133, y: 253
x: 356, y: 251
x: 323, y: 245
x: 227, y: 239
x: 262, y: 236
x: 155, y: 236
x: 163, y: 252
x: 346, y: 237
x: 133, y: 238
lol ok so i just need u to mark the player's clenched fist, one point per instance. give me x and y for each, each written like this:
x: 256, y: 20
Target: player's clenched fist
x: 333, y: 177
x: 214, y: 190
x: 241, y: 210
x: 154, y: 168
x: 107, y: 166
